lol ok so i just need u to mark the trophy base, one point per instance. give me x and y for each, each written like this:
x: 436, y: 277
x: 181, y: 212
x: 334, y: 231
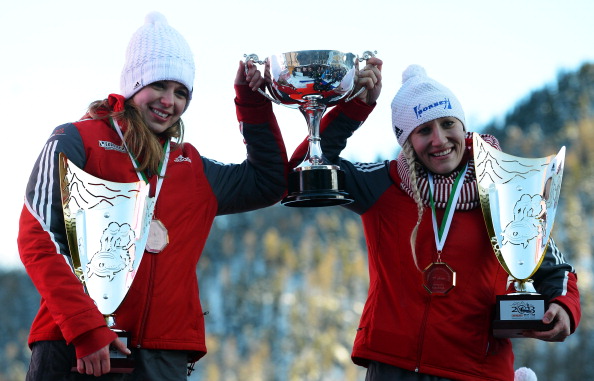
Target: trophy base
x: 121, y: 365
x: 519, y: 312
x: 316, y: 186
x: 117, y: 365
x: 505, y: 329
x: 119, y: 362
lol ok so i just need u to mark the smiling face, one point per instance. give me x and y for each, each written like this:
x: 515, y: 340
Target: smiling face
x: 161, y: 104
x: 439, y: 144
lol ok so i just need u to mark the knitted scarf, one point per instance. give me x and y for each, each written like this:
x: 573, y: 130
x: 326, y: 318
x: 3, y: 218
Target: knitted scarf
x: 469, y: 198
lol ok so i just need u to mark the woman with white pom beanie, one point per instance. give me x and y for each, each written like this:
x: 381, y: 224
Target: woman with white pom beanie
x: 136, y: 137
x: 433, y: 274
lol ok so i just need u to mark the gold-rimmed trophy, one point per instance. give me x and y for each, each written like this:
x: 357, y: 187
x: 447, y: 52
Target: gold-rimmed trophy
x: 519, y: 198
x: 312, y: 81
x: 107, y: 227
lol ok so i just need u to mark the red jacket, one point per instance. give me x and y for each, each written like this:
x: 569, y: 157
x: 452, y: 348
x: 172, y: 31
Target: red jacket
x: 448, y: 336
x: 402, y: 324
x: 162, y: 308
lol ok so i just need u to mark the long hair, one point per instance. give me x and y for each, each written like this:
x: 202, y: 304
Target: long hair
x: 410, y: 156
x: 144, y: 144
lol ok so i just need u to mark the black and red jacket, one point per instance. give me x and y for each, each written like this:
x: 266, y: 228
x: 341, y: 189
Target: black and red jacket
x: 162, y: 308
x: 402, y: 324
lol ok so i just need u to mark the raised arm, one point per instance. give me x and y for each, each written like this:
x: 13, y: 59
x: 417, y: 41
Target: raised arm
x: 260, y: 180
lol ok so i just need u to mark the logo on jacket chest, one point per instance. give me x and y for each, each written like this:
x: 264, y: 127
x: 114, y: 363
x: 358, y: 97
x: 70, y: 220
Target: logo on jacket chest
x: 111, y: 146
x: 181, y: 158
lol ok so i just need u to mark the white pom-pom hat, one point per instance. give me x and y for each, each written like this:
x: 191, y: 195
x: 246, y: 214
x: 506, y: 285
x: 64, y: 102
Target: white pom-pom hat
x: 420, y: 100
x: 524, y: 374
x: 157, y: 52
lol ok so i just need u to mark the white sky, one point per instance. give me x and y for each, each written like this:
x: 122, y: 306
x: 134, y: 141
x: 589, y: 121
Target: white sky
x: 58, y: 56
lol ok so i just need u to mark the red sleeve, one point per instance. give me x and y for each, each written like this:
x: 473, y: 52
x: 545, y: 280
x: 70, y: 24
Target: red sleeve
x: 252, y: 107
x: 92, y: 341
x: 571, y: 301
x: 70, y: 307
x: 260, y: 180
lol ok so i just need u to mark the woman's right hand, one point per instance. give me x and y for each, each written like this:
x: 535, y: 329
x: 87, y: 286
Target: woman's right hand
x: 370, y: 77
x: 97, y: 363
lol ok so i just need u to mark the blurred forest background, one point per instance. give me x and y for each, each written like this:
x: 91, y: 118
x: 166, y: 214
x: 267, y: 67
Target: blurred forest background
x: 284, y: 288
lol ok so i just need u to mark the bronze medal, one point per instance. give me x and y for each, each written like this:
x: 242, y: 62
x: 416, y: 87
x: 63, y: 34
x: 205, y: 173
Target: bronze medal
x: 439, y: 278
x: 158, y: 238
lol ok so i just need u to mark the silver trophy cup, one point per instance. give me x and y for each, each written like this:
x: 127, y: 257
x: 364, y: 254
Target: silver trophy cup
x: 519, y: 199
x: 107, y: 227
x: 312, y: 81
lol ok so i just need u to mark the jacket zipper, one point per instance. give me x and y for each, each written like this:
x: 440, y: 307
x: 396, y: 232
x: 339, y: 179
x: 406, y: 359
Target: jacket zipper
x: 422, y: 334
x: 148, y: 299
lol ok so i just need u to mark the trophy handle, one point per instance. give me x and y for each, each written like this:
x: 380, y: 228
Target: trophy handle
x: 254, y: 58
x: 364, y: 57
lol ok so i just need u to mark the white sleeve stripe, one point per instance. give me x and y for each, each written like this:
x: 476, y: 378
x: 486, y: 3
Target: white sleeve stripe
x: 39, y: 173
x: 50, y: 179
x: 369, y: 167
x: 565, y: 280
x: 558, y: 255
x: 45, y: 182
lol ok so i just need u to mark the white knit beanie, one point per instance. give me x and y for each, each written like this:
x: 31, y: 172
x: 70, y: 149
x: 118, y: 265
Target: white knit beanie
x: 157, y: 52
x: 525, y: 374
x: 420, y: 100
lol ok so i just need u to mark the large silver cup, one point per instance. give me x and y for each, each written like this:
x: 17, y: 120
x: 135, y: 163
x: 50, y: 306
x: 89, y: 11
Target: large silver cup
x: 312, y: 81
x: 519, y: 198
x: 107, y: 226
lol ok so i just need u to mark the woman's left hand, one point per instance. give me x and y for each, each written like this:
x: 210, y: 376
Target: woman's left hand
x: 253, y: 78
x: 560, y: 331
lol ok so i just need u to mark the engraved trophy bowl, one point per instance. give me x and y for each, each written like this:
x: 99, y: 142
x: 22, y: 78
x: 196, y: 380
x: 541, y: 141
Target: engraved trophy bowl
x: 312, y: 81
x: 107, y: 227
x: 519, y: 198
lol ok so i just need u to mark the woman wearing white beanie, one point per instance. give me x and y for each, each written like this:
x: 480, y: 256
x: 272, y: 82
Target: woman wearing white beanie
x: 136, y: 137
x: 432, y: 295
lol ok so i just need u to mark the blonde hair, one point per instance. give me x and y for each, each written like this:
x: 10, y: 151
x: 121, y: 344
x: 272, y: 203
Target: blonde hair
x: 140, y: 140
x: 413, y: 164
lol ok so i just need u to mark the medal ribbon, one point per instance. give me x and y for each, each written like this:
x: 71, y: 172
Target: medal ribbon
x: 141, y: 175
x: 442, y: 233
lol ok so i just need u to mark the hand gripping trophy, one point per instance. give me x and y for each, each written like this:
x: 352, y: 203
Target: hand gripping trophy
x: 312, y: 81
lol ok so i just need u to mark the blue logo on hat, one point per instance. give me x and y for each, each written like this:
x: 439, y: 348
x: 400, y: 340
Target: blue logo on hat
x: 420, y: 109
